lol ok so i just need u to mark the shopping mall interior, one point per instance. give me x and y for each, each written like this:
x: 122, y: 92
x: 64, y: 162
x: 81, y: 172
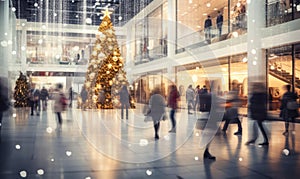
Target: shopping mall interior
x: 146, y: 45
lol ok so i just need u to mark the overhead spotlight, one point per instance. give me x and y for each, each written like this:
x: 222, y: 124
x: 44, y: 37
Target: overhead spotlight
x: 120, y: 18
x: 36, y: 4
x: 13, y: 9
x: 208, y: 5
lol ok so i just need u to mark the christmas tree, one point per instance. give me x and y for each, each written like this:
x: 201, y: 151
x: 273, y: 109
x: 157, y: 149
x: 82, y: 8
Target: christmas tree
x: 105, y: 75
x: 21, y: 91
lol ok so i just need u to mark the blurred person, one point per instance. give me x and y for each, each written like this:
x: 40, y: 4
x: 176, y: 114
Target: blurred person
x: 156, y: 110
x: 58, y: 104
x: 258, y: 112
x: 288, y: 114
x: 214, y: 117
x: 44, y: 97
x: 219, y: 22
x: 197, y: 100
x: 203, y: 99
x: 124, y: 99
x: 101, y: 98
x: 34, y: 99
x: 231, y: 112
x: 173, y: 104
x: 70, y: 96
x: 84, y: 96
x: 4, y: 100
x: 190, y: 96
x: 207, y: 28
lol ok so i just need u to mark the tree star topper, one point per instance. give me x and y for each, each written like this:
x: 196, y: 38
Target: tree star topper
x: 106, y: 13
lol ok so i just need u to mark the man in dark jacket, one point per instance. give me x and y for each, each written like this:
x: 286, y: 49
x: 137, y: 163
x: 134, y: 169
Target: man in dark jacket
x: 207, y: 28
x: 219, y: 22
x: 44, y: 97
x: 34, y: 98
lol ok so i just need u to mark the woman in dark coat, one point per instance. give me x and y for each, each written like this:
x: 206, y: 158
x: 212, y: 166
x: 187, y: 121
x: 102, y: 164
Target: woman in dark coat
x: 288, y: 115
x: 258, y: 112
x: 173, y: 104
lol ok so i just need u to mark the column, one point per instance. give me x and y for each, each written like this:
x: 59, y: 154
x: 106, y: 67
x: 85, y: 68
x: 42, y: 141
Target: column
x: 257, y: 67
x: 4, y: 21
x: 257, y: 62
x: 23, y: 47
x: 171, y: 40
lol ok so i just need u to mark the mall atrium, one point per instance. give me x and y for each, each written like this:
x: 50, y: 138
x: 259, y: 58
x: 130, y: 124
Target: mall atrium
x: 146, y: 45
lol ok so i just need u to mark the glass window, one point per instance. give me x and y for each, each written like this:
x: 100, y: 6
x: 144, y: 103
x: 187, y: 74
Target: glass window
x: 280, y: 73
x: 156, y: 39
x: 191, y: 18
x: 238, y: 16
x: 239, y: 74
x: 280, y: 11
x: 141, y: 41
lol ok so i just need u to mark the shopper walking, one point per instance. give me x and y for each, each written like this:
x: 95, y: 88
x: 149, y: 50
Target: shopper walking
x: 190, y: 98
x: 4, y: 100
x: 58, y: 104
x: 258, y: 112
x: 289, y: 108
x: 124, y: 99
x: 70, y: 97
x: 173, y: 104
x: 156, y: 110
x: 231, y: 112
x: 34, y: 100
x: 84, y: 96
x: 44, y: 97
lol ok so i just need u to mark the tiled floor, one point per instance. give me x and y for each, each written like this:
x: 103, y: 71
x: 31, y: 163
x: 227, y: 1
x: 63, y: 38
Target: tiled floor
x: 98, y: 144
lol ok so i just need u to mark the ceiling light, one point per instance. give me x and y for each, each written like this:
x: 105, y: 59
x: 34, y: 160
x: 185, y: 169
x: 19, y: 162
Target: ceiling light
x: 120, y: 18
x: 13, y: 9
x: 36, y: 4
x: 208, y: 5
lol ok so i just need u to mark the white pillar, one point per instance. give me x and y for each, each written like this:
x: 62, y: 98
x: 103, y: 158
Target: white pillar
x: 257, y: 67
x: 23, y: 47
x: 171, y: 27
x: 4, y: 27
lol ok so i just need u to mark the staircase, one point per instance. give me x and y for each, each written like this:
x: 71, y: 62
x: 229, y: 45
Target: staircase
x: 284, y: 76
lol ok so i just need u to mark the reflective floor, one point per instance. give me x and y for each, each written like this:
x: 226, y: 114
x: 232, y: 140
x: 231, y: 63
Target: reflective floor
x: 99, y: 144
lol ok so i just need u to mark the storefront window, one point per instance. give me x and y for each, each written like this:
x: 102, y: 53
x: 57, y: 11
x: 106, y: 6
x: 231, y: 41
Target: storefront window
x: 156, y: 39
x: 239, y: 74
x: 238, y: 16
x: 64, y: 49
x: 144, y: 86
x: 141, y: 42
x: 280, y: 11
x: 280, y: 73
x: 191, y: 17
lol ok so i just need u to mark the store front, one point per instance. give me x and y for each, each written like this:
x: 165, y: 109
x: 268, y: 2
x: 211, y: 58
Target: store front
x: 284, y: 68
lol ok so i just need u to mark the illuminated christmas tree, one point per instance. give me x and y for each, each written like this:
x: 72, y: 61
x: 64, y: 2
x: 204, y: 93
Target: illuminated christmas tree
x: 21, y: 91
x: 105, y: 74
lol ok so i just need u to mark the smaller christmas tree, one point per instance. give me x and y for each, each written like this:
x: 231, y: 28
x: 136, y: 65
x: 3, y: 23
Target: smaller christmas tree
x: 21, y: 91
